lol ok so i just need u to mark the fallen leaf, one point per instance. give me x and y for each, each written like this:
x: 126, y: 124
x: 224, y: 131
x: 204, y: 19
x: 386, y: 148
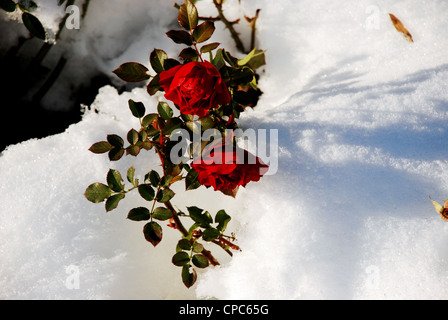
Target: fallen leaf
x: 400, y: 27
x: 442, y: 210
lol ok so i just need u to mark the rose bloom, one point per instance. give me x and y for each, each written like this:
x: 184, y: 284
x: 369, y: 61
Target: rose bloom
x: 226, y: 170
x: 195, y: 87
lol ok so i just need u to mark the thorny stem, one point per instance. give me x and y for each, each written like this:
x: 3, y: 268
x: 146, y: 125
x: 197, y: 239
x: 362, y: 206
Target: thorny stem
x: 229, y: 25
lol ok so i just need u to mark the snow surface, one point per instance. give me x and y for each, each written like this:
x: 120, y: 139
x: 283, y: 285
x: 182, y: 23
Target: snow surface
x: 361, y: 114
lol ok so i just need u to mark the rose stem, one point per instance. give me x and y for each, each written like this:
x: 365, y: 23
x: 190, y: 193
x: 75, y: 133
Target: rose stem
x: 229, y: 25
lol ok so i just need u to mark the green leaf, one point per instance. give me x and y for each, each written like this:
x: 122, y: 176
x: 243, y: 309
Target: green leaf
x: 180, y: 259
x: 254, y: 59
x: 209, y: 47
x: 162, y: 214
x: 115, y: 140
x: 153, y: 233
x: 184, y: 244
x: 27, y: 5
x: 157, y: 58
x: 165, y: 195
x: 132, y: 136
x: 189, y: 54
x: 130, y: 174
x: 222, y: 218
x: 204, y: 219
x: 101, y: 147
x: 112, y: 201
x: 115, y: 154
x: 210, y: 234
x: 164, y: 110
x: 191, y: 180
x: 188, y: 278
x: 180, y: 37
x: 137, y: 108
x: 188, y: 15
x: 114, y: 180
x: 197, y: 247
x: 132, y: 72
x: 153, y: 85
x: 218, y: 61
x: 149, y: 119
x: 146, y: 191
x: 97, y: 192
x: 34, y: 26
x: 200, y: 261
x: 139, y: 214
x: 154, y: 178
x: 204, y: 31
x: 8, y: 5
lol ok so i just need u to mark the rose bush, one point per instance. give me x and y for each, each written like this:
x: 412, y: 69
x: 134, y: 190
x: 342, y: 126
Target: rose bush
x: 195, y: 87
x: 226, y: 167
x: 217, y: 91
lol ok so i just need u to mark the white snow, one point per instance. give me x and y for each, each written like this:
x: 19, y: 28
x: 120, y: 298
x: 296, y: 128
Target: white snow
x: 361, y: 114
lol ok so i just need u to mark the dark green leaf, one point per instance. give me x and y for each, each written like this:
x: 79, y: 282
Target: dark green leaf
x: 97, y: 192
x: 137, y: 108
x: 204, y: 31
x: 170, y: 63
x: 133, y: 150
x: 180, y: 259
x: 188, y: 278
x: 209, y: 47
x: 115, y: 140
x: 162, y: 214
x: 146, y: 191
x: 180, y: 37
x: 189, y: 54
x: 165, y: 195
x: 8, y: 5
x: 101, y: 147
x: 188, y: 15
x: 132, y: 72
x: 204, y: 219
x: 153, y: 86
x: 200, y: 261
x: 222, y: 218
x: 157, y: 58
x: 184, y: 244
x: 34, y: 25
x: 191, y: 180
x: 115, y: 154
x: 27, y: 5
x: 210, y: 234
x: 218, y: 61
x: 164, y: 110
x: 132, y: 136
x: 112, y: 201
x: 114, y: 180
x: 153, y: 233
x: 154, y: 178
x: 139, y: 214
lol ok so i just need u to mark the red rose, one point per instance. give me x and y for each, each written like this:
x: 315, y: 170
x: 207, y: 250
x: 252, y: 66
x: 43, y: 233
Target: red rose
x: 226, y: 170
x: 195, y: 87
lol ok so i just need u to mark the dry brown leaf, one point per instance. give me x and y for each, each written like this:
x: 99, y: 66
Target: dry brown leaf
x: 400, y: 27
